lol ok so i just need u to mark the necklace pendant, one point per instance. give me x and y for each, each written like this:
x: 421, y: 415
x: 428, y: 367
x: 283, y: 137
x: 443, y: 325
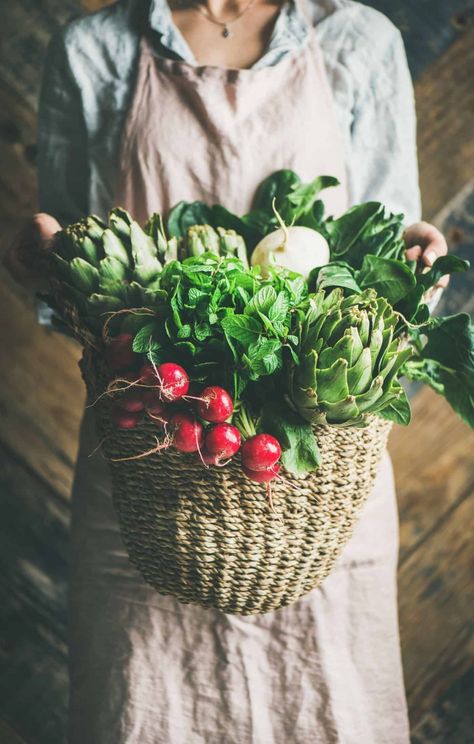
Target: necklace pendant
x: 226, y: 33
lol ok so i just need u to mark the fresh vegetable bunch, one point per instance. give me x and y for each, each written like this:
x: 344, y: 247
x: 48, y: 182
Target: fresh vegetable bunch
x: 282, y: 319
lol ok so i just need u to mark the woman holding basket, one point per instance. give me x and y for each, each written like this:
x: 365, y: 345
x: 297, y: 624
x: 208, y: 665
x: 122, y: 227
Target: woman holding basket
x: 146, y: 103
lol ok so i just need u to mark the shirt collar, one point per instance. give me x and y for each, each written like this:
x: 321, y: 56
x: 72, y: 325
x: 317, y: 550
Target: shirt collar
x: 289, y: 32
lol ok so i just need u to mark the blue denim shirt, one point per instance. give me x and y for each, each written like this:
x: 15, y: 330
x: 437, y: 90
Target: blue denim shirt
x: 89, y: 79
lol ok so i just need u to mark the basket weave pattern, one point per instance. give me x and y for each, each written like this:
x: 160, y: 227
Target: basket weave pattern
x: 208, y: 536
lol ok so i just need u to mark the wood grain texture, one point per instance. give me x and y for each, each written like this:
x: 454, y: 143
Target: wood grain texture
x: 33, y: 573
x: 17, y: 156
x: 445, y: 106
x: 451, y: 719
x: 429, y: 27
x: 434, y: 471
x: 8, y: 736
x: 41, y: 394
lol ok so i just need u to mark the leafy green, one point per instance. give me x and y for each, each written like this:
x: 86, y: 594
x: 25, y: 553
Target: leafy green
x: 186, y: 214
x: 446, y: 361
x: 443, y: 265
x: 391, y: 279
x: 297, y: 438
x: 217, y: 312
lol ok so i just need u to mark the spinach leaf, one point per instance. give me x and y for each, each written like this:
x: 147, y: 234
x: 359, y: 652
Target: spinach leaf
x: 301, y: 199
x: 399, y: 410
x: 443, y: 265
x: 446, y: 362
x: 334, y: 274
x: 276, y: 186
x: 186, y: 214
x: 297, y: 439
x: 391, y: 279
x: 344, y: 231
x: 451, y: 342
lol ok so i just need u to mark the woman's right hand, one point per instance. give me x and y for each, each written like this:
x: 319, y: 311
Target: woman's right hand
x: 25, y: 257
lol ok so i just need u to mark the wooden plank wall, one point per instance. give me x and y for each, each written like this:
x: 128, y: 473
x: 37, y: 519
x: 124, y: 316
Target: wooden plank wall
x: 41, y: 397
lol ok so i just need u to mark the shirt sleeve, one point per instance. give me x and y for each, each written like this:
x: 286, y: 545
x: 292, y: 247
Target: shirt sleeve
x: 63, y: 176
x: 63, y: 172
x: 383, y: 160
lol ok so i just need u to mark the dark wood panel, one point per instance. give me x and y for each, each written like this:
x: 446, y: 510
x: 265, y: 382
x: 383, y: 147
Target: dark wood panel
x: 8, y: 736
x: 41, y: 395
x: 33, y: 563
x: 456, y: 221
x: 445, y: 105
x: 434, y: 473
x: 429, y: 27
x: 452, y: 719
x: 17, y: 161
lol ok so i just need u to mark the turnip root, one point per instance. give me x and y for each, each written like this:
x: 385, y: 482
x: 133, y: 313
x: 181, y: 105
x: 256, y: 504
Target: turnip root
x: 297, y: 248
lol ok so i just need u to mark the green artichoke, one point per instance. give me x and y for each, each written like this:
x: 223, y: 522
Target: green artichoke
x: 348, y: 360
x: 204, y: 238
x: 104, y: 268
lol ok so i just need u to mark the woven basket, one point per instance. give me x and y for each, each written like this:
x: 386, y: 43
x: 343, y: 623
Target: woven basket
x: 208, y: 536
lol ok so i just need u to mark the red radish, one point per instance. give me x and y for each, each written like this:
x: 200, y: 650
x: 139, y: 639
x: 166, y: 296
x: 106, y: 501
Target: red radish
x: 160, y: 415
x: 131, y: 401
x: 151, y: 399
x: 209, y: 459
x: 187, y: 432
x: 215, y: 404
x: 147, y: 375
x: 119, y: 353
x: 173, y: 381
x: 262, y: 476
x: 124, y: 419
x: 223, y: 441
x: 260, y: 452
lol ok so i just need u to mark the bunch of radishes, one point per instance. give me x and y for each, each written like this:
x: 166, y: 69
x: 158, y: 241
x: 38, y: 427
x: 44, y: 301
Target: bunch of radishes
x: 191, y: 423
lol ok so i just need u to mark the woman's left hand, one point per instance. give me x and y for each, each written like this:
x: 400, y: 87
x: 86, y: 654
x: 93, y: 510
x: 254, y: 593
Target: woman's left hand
x: 426, y: 243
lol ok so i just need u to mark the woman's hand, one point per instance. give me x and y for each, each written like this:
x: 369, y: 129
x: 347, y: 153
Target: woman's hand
x: 426, y: 243
x: 25, y: 257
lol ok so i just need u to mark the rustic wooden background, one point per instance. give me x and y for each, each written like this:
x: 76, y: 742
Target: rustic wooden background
x: 41, y: 396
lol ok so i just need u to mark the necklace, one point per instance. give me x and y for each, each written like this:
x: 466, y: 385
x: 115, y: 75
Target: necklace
x: 226, y: 32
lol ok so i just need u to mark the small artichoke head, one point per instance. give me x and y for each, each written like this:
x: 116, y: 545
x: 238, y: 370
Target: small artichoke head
x: 349, y: 359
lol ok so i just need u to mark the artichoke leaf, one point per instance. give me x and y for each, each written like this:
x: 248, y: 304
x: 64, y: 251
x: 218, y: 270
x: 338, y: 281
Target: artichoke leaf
x: 329, y: 323
x: 366, y: 400
x: 84, y: 276
x: 331, y: 383
x: 364, y: 328
x: 112, y: 270
x: 359, y: 376
x: 343, y: 349
x: 401, y: 357
x: 89, y: 250
x: 98, y: 304
x: 341, y: 412
x: 376, y: 341
x: 94, y: 227
x: 114, y: 247
x: 62, y: 267
x: 305, y: 374
x: 120, y: 221
x: 147, y: 265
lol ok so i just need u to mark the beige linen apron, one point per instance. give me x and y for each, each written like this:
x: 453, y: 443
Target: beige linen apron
x: 144, y: 668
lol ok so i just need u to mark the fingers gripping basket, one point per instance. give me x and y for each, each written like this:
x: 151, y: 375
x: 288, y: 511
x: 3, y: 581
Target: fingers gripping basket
x: 207, y: 536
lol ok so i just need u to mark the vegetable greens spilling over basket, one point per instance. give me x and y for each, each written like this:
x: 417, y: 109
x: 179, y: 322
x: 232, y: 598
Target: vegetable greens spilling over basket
x: 239, y: 336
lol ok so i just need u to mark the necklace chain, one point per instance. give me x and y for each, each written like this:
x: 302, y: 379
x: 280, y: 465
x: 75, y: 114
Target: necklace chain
x: 226, y: 33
